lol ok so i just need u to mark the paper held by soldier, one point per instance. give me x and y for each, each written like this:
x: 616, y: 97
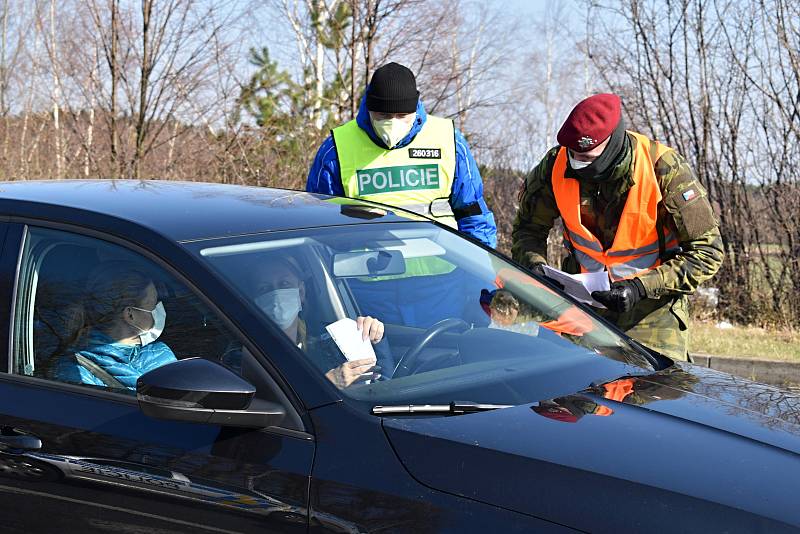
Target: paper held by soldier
x: 580, y: 286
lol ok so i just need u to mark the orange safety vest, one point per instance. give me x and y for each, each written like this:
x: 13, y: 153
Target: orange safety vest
x: 618, y: 390
x: 573, y: 321
x: 636, y: 245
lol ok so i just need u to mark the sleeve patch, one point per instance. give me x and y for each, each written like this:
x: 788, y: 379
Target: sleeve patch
x: 691, y: 211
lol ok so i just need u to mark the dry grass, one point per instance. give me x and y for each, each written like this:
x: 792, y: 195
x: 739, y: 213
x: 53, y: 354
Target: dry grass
x: 745, y: 342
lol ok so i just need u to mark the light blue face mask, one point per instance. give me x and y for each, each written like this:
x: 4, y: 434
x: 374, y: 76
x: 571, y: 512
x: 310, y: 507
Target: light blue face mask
x: 159, y: 314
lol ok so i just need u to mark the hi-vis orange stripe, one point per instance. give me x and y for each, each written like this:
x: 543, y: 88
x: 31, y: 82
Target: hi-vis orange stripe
x: 635, y: 248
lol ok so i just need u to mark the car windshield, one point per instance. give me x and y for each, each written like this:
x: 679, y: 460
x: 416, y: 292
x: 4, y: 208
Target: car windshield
x: 460, y: 322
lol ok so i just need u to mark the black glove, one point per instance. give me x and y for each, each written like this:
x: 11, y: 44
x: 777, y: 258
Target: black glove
x: 538, y: 269
x: 622, y: 296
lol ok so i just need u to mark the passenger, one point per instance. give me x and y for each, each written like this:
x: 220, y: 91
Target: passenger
x: 280, y: 293
x: 123, y: 319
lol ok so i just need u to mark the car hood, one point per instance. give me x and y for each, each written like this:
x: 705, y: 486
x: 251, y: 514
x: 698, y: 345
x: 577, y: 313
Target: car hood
x: 645, y: 453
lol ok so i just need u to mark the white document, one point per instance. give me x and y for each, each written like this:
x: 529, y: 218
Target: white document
x: 348, y: 338
x: 580, y: 286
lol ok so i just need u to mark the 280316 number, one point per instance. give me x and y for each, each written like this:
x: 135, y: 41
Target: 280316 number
x: 425, y: 153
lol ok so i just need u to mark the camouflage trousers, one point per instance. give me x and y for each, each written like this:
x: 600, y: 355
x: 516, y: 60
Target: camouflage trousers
x: 660, y: 324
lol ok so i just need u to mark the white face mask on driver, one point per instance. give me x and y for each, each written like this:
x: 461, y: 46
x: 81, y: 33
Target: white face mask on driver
x: 281, y: 305
x: 392, y: 131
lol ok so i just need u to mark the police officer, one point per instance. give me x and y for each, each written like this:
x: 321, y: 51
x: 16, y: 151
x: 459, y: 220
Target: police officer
x: 397, y: 154
x: 630, y: 206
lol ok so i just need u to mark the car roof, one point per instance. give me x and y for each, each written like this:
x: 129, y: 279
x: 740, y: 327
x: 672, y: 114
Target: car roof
x: 186, y: 211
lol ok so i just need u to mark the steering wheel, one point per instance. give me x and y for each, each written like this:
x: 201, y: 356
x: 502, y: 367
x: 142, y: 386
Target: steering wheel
x: 409, y: 359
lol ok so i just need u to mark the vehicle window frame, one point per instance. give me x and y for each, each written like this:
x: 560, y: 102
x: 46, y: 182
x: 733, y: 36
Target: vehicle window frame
x: 345, y: 304
x: 33, y: 280
x: 288, y: 399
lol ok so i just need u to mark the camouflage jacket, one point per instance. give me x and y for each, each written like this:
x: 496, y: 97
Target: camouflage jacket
x: 701, y: 250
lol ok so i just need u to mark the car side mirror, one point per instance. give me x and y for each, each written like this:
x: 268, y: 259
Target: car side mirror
x: 201, y: 391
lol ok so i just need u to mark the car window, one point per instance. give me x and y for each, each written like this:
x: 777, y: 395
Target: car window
x: 96, y: 314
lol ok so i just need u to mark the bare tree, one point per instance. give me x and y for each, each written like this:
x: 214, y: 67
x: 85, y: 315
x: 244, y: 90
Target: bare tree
x: 15, y: 24
x: 309, y: 22
x: 719, y: 81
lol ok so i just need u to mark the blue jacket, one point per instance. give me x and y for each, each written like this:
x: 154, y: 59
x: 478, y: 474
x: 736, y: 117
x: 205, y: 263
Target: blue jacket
x: 126, y: 363
x: 467, y: 191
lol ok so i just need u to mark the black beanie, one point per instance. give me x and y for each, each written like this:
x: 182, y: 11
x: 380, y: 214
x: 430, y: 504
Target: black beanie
x: 393, y: 89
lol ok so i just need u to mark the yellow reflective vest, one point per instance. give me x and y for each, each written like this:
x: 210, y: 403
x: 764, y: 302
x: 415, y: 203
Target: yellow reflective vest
x: 417, y: 177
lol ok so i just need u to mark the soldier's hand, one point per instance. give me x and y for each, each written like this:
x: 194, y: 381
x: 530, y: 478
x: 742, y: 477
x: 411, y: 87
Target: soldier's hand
x: 538, y: 269
x: 622, y: 296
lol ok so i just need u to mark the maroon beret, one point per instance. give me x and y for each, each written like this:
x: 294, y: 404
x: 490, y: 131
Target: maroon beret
x: 590, y: 122
x: 557, y: 413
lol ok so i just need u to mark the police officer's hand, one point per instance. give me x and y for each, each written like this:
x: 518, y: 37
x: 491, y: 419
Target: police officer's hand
x: 622, y: 296
x: 538, y: 269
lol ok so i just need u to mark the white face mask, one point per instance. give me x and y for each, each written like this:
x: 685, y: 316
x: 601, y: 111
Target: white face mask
x: 159, y: 314
x: 392, y: 131
x: 577, y: 164
x: 281, y: 305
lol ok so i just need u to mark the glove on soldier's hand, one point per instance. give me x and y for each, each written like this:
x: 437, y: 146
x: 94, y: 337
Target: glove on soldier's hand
x: 538, y: 269
x: 622, y: 296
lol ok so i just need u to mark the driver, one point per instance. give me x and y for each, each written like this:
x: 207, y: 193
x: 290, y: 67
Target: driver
x: 277, y: 283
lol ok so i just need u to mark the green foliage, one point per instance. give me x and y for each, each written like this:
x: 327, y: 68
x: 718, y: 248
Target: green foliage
x: 271, y: 97
x: 279, y: 104
x: 332, y: 36
x: 285, y: 112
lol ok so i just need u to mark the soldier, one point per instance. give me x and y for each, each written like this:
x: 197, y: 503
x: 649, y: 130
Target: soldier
x: 630, y: 206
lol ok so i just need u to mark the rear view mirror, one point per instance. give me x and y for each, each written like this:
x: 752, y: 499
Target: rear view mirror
x: 368, y: 263
x: 200, y: 391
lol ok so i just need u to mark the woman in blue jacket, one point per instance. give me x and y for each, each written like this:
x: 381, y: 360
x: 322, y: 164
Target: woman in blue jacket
x: 123, y: 319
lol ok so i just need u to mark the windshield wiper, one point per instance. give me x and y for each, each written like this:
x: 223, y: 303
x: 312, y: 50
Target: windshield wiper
x: 454, y: 408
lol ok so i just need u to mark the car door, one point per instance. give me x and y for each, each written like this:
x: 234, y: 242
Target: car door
x: 78, y: 455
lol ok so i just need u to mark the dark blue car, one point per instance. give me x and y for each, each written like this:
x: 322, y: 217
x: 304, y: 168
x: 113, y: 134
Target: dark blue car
x: 190, y: 357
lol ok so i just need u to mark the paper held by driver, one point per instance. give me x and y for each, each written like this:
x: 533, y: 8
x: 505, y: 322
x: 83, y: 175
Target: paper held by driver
x: 349, y: 339
x: 580, y: 286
